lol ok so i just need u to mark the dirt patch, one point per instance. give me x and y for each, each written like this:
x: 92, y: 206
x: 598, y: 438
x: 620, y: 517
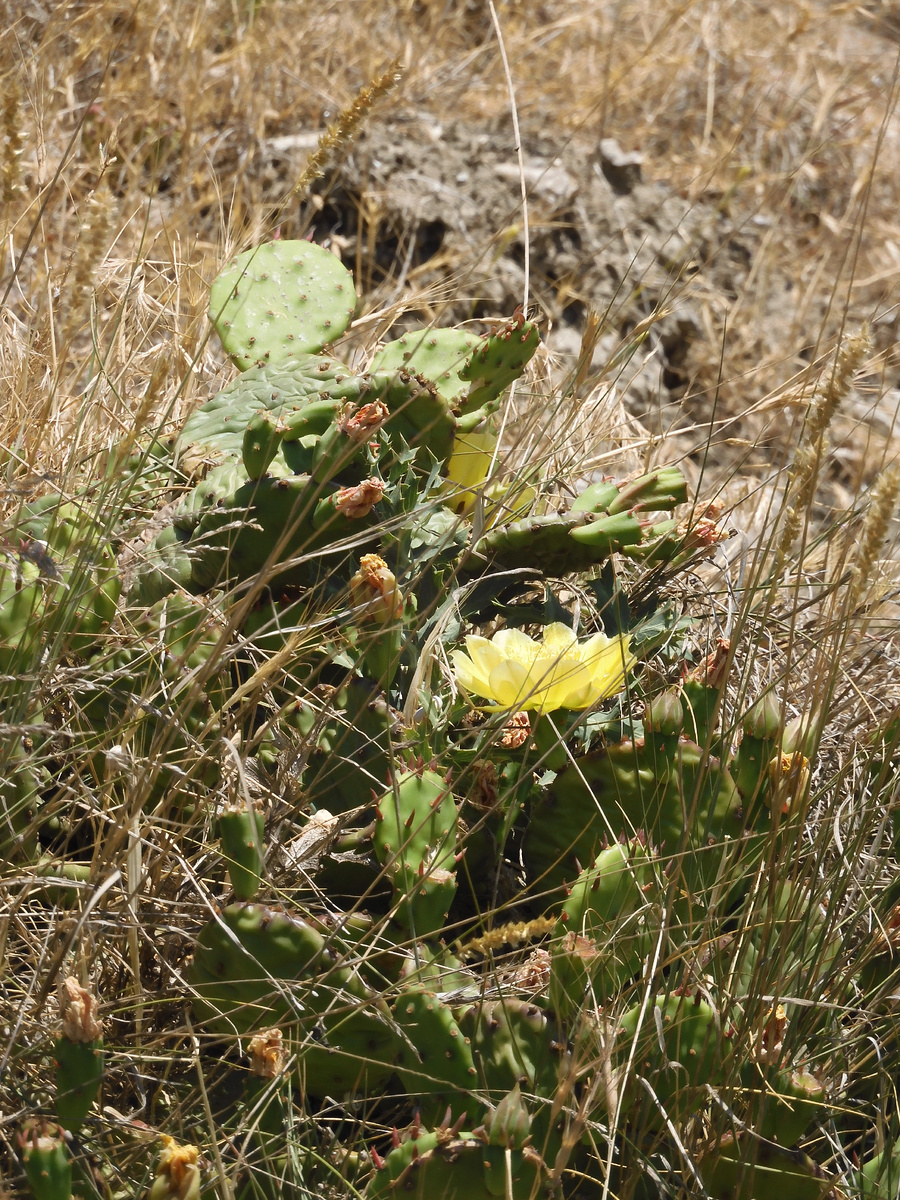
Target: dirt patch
x: 433, y: 210
x: 441, y: 202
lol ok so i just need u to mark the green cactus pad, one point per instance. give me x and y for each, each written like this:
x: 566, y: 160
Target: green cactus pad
x: 46, y: 1161
x: 594, y: 499
x: 879, y: 1177
x: 747, y: 1169
x: 760, y: 741
x: 415, y: 839
x: 436, y: 1066
x: 261, y: 442
x: 241, y: 834
x: 255, y: 967
x: 436, y: 354
x: 441, y: 1165
x: 604, y: 911
x: 496, y: 362
x: 416, y: 823
x: 513, y: 1041
x: 422, y: 905
x: 238, y: 538
x: 549, y: 543
x: 280, y: 300
x: 287, y: 390
x: 781, y: 1104
x: 679, y: 1050
x: 79, y: 1070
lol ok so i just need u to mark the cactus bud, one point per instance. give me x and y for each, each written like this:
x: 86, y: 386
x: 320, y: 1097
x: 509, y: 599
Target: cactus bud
x: 510, y: 1122
x: 664, y: 713
x: 763, y: 719
x: 241, y: 831
x: 788, y: 778
x: 177, y: 1172
x: 46, y: 1161
x: 375, y: 586
x: 800, y: 735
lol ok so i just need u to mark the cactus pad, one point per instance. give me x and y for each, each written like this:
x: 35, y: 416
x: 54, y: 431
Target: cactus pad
x: 280, y: 300
x: 436, y: 354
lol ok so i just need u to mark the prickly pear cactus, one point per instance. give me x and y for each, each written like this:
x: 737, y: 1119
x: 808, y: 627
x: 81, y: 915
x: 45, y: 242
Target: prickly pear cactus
x: 536, y: 941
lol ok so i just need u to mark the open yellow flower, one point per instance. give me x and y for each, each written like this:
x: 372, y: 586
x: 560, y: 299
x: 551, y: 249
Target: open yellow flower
x: 517, y: 672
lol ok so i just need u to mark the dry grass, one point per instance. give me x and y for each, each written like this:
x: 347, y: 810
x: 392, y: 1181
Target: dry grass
x: 134, y: 157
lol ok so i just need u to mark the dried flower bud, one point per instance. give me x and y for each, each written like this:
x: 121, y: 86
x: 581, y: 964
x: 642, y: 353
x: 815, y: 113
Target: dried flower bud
x: 358, y: 501
x: 711, y: 671
x: 267, y: 1054
x: 177, y: 1172
x: 375, y: 586
x: 516, y: 731
x: 78, y: 1009
x: 770, y: 1042
x: 365, y: 421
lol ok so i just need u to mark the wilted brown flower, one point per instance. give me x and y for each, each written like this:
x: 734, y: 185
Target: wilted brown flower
x: 770, y: 1041
x: 78, y: 1008
x: 358, y: 501
x: 364, y: 421
x: 267, y: 1053
x: 711, y: 671
x: 516, y: 731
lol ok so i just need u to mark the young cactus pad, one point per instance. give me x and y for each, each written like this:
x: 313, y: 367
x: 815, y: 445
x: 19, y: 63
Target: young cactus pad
x: 279, y: 300
x: 497, y: 361
x: 436, y: 354
x: 46, y: 1161
x: 79, y: 1055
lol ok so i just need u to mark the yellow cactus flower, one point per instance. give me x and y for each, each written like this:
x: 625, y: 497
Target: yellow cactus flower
x: 517, y: 672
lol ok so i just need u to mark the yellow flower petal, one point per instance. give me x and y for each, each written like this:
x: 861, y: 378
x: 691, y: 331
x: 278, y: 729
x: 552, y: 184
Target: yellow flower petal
x: 515, y: 671
x: 559, y: 637
x: 468, y: 467
x: 467, y: 674
x: 511, y: 685
x: 513, y: 643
